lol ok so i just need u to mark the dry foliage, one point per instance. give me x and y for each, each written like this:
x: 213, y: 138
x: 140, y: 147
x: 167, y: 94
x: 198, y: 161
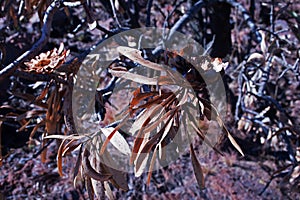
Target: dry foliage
x: 160, y: 108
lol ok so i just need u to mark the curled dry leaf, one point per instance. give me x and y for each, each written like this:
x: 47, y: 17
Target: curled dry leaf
x: 70, y: 146
x: 257, y: 59
x: 136, y: 56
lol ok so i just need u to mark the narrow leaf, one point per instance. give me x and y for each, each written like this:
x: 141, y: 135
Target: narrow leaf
x: 197, y: 168
x: 103, y: 147
x: 59, y: 157
x: 117, y: 140
x: 134, y: 77
x: 90, y: 171
x: 136, y: 56
x: 78, y: 162
x: 89, y: 187
x: 151, y: 166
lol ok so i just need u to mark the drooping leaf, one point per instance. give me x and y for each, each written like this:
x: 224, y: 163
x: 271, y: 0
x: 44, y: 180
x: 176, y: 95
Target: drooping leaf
x: 197, y: 168
x: 108, y: 165
x: 70, y: 146
x: 152, y: 162
x: 143, y: 116
x: 118, y: 177
x: 140, y: 167
x: 231, y: 139
x: 89, y: 187
x: 117, y: 140
x: 59, y: 157
x: 154, y: 125
x: 103, y: 147
x: 140, y: 97
x: 78, y: 162
x: 89, y: 171
x: 108, y: 191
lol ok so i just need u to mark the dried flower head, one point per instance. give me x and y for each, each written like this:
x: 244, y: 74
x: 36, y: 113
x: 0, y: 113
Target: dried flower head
x: 47, y: 62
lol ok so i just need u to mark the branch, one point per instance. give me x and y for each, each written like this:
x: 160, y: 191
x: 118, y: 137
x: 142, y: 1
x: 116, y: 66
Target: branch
x: 148, y: 19
x: 257, y: 36
x: 186, y: 17
x: 38, y: 77
x: 200, y: 4
x: 47, y: 21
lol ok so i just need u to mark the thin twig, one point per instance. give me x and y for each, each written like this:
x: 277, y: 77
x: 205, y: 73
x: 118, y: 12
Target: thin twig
x: 265, y: 76
x: 247, y: 18
x: 186, y: 17
x: 114, y: 13
x: 38, y: 77
x: 148, y: 19
x: 37, y: 47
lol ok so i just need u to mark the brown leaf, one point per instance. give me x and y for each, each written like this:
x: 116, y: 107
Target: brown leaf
x: 140, y: 97
x: 197, y: 169
x: 43, y: 93
x: 103, y: 147
x: 140, y: 164
x: 231, y: 139
x: 89, y: 171
x: 118, y: 177
x: 70, y: 146
x: 117, y: 141
x: 143, y: 153
x: 78, y: 162
x: 155, y: 124
x: 151, y: 166
x: 59, y: 157
x: 89, y: 187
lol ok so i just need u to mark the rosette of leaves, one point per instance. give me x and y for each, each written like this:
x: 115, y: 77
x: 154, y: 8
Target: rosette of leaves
x: 156, y: 110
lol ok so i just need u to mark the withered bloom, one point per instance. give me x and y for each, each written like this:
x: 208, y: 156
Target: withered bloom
x: 46, y: 63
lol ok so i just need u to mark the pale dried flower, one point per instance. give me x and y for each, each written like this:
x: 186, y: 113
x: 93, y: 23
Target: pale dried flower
x: 46, y: 63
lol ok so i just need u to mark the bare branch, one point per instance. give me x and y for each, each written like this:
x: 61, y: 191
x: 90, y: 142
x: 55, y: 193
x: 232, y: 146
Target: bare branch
x: 186, y: 17
x: 148, y: 19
